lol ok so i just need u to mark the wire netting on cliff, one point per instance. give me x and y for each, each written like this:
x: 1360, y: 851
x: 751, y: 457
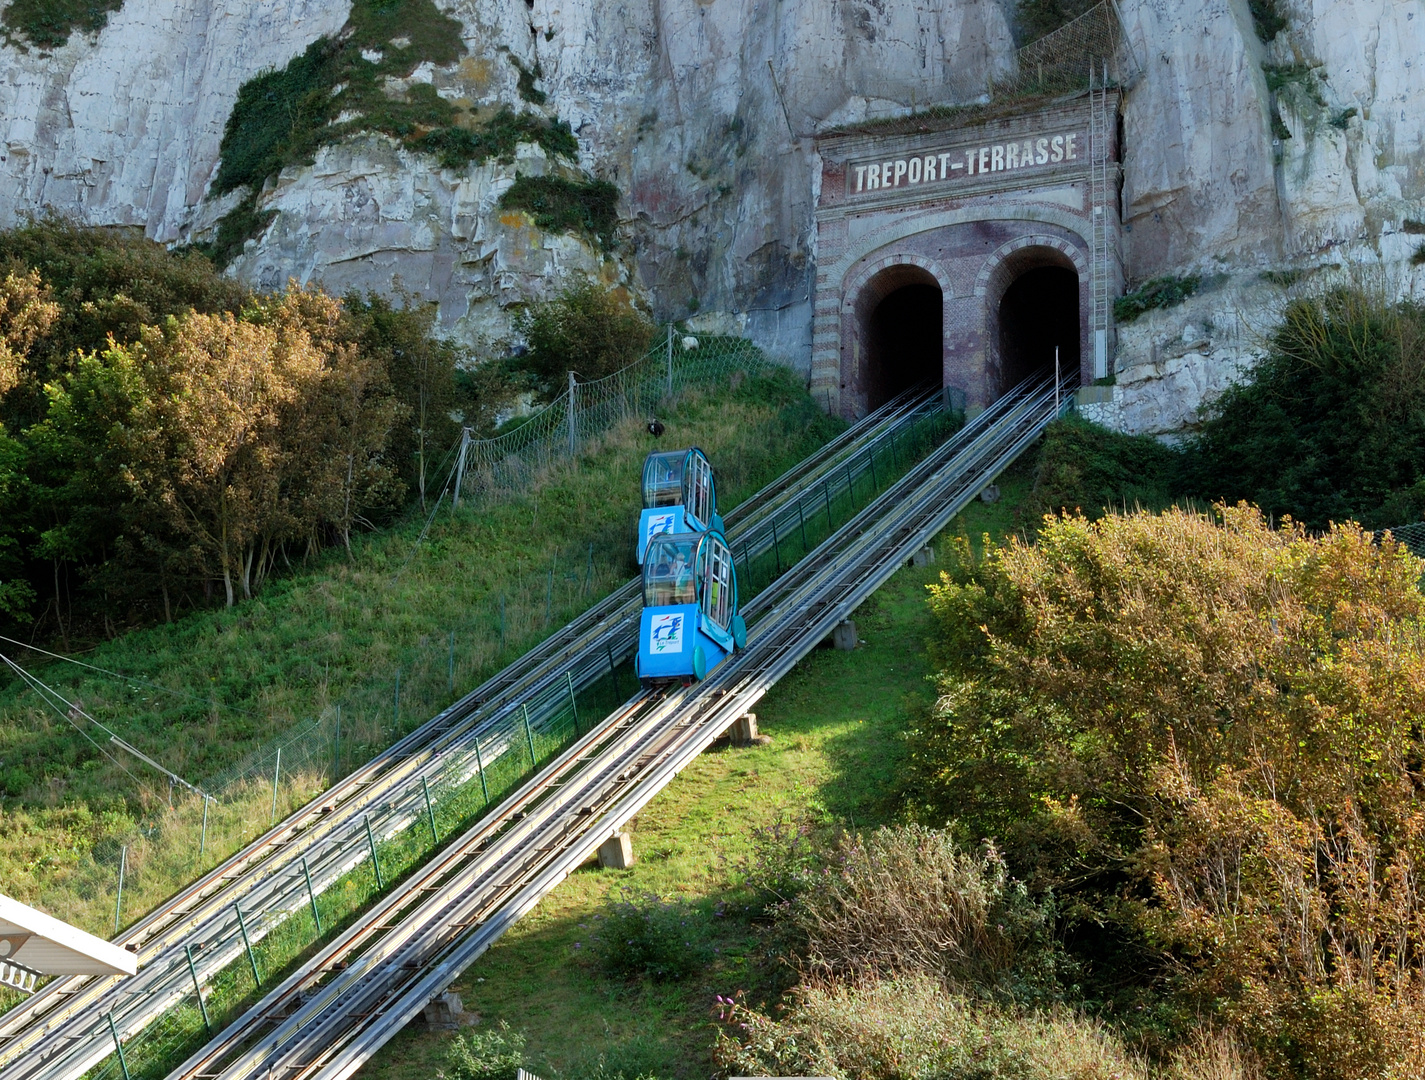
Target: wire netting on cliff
x: 1090, y: 51
x: 509, y: 463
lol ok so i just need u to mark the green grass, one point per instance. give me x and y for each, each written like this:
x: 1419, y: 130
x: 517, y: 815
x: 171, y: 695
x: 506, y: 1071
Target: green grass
x: 211, y: 688
x: 835, y: 725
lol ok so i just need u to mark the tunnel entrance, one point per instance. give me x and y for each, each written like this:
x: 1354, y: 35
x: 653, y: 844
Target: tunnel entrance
x: 904, y: 334
x: 1039, y: 311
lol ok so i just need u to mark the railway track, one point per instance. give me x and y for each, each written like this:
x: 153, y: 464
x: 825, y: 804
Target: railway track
x: 63, y: 1030
x: 326, y: 1019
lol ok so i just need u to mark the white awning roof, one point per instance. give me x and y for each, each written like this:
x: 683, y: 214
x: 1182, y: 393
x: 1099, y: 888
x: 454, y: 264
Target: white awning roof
x: 47, y: 946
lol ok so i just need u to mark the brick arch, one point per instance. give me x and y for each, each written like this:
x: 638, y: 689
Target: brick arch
x: 1006, y: 263
x: 863, y: 288
x: 1012, y: 258
x: 854, y: 285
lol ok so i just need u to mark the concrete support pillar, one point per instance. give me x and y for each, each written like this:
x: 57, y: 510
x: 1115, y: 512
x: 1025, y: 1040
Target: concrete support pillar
x: 616, y: 853
x: 844, y: 636
x: 924, y: 557
x: 744, y: 730
x: 444, y: 1012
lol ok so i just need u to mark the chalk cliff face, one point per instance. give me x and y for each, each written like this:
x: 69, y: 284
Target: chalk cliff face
x: 701, y: 112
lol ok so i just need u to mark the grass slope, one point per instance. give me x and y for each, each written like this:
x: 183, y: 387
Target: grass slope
x: 217, y: 685
x: 835, y: 726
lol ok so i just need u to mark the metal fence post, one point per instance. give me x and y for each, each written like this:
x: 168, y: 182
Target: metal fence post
x: 119, y: 1046
x: 573, y: 705
x: 119, y: 899
x: 529, y: 735
x: 776, y: 548
x: 802, y: 521
x: 480, y: 764
x: 573, y: 424
x: 312, y: 896
x: 198, y: 988
x: 670, y: 359
x: 613, y: 670
x: 247, y: 944
x: 203, y: 836
x: 430, y: 811
x: 371, y: 840
x: 276, y: 775
x: 460, y: 465
x: 826, y: 494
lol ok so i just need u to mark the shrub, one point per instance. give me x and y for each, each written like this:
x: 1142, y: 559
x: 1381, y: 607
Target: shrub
x: 574, y: 206
x: 1331, y: 424
x: 1084, y: 466
x: 647, y: 936
x: 911, y: 1027
x: 588, y: 330
x: 496, y: 1054
x: 1160, y: 292
x: 1204, y: 728
x: 787, y: 859
x: 1267, y: 20
x: 908, y: 899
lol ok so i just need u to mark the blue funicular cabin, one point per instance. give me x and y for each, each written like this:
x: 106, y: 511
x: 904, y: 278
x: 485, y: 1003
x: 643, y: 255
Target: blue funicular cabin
x: 678, y: 496
x: 690, y: 621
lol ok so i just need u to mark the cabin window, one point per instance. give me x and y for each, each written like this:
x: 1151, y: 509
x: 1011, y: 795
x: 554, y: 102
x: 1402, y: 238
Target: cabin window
x: 668, y: 576
x: 663, y: 479
x: 717, y: 583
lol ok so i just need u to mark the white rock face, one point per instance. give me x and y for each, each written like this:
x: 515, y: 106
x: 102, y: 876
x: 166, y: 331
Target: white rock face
x: 123, y: 128
x: 701, y: 112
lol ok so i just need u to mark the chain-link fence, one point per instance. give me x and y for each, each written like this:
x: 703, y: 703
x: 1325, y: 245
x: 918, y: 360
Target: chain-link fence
x: 510, y: 463
x: 1412, y: 536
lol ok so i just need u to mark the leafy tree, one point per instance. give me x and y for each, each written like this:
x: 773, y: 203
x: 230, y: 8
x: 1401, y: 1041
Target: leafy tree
x: 421, y: 368
x: 588, y: 330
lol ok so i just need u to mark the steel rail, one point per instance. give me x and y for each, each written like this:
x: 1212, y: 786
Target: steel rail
x: 309, y: 1027
x: 50, y: 1013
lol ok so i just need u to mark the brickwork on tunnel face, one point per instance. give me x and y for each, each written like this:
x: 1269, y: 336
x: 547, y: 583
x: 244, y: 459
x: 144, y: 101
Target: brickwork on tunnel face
x: 969, y: 209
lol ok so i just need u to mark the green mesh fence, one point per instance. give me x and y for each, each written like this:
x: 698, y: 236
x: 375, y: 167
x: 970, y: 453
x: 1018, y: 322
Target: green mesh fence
x: 510, y: 463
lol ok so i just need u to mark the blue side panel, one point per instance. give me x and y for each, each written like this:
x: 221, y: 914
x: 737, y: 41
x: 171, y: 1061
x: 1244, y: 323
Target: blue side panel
x: 666, y: 639
x: 713, y: 650
x: 666, y: 636
x: 652, y: 522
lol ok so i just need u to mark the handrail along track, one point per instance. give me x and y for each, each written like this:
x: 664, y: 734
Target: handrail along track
x: 327, y: 1018
x: 62, y: 1030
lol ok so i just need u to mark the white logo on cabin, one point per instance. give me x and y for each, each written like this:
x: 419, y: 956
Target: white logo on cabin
x: 659, y: 524
x: 665, y: 634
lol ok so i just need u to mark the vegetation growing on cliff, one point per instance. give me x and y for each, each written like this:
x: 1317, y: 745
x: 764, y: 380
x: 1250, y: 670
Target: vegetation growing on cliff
x: 48, y: 23
x: 359, y: 80
x: 1331, y: 425
x: 1267, y: 19
x: 1160, y: 292
x: 589, y: 207
x: 1035, y: 18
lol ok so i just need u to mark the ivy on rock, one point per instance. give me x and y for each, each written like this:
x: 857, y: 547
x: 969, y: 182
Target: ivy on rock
x: 363, y: 79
